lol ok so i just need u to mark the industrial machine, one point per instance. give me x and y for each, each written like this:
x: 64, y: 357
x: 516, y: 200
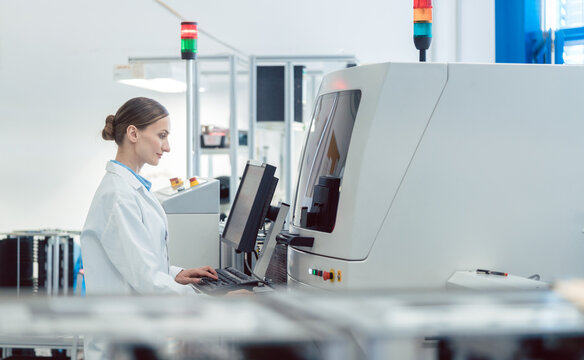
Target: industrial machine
x: 412, y: 172
x: 193, y: 223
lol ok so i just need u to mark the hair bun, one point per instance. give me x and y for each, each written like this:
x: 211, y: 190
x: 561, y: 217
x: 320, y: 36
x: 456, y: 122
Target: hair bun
x: 108, y: 131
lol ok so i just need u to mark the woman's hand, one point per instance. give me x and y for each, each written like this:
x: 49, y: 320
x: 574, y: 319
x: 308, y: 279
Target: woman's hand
x: 240, y: 292
x: 193, y: 276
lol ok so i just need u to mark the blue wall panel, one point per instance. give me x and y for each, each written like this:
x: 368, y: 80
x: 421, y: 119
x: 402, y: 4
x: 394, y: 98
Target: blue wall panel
x: 518, y: 37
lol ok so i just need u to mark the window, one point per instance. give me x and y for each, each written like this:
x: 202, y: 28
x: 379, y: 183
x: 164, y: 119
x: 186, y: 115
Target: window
x: 566, y: 19
x: 527, y: 31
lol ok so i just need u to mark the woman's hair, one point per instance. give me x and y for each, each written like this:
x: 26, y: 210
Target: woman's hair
x: 139, y: 112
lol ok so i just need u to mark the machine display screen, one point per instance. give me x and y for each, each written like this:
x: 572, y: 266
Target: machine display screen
x: 327, y: 144
x: 248, y: 210
x: 239, y: 214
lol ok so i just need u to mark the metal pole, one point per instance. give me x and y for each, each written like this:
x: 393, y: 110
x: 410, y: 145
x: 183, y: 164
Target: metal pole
x: 17, y: 265
x: 190, y: 65
x: 49, y: 265
x: 307, y: 58
x: 234, y: 133
x: 205, y: 58
x: 288, y: 120
x: 312, y: 91
x: 196, y: 155
x: 56, y: 265
x: 252, y: 107
x: 553, y: 46
x: 65, y: 265
x: 458, y: 22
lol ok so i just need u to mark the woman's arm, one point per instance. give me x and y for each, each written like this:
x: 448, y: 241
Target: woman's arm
x: 133, y: 250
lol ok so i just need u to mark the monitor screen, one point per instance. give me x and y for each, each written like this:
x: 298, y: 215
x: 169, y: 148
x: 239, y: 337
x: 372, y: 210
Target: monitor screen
x: 248, y: 209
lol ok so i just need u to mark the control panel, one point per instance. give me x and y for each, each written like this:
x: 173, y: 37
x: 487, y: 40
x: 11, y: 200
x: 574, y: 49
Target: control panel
x: 318, y: 271
x: 327, y: 275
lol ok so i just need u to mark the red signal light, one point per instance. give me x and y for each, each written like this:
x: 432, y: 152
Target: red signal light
x: 188, y: 30
x: 419, y: 4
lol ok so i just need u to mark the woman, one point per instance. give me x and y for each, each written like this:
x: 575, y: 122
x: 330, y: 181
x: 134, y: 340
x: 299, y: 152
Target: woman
x: 124, y: 240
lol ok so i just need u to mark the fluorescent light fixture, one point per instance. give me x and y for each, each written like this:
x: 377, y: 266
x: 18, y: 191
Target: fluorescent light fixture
x: 162, y: 84
x: 163, y: 77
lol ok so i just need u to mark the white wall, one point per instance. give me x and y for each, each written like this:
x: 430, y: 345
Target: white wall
x: 463, y: 31
x: 56, y: 77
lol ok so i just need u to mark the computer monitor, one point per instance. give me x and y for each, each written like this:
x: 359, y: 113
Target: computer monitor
x: 248, y: 211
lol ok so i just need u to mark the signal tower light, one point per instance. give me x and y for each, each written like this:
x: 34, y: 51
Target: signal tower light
x: 188, y: 40
x: 422, y: 26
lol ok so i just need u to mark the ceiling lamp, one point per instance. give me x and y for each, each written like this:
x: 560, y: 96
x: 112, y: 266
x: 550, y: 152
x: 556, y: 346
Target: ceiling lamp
x: 163, y: 77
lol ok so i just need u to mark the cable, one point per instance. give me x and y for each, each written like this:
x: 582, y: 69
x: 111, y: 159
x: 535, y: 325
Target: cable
x: 265, y: 282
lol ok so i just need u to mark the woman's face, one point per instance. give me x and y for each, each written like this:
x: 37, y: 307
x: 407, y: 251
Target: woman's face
x: 153, y: 141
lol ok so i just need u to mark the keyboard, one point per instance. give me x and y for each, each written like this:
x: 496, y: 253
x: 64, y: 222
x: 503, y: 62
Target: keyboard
x: 229, y: 279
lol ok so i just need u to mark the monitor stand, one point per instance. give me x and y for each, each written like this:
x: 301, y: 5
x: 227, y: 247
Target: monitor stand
x: 270, y: 243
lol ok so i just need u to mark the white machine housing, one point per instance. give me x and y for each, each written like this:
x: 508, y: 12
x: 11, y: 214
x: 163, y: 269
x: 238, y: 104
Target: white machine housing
x: 453, y: 167
x: 193, y: 224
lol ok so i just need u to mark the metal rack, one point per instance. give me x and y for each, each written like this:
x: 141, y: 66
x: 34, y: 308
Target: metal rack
x: 72, y: 344
x: 50, y: 261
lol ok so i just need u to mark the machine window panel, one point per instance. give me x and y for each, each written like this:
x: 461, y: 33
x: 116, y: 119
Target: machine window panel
x: 321, y: 117
x: 324, y: 159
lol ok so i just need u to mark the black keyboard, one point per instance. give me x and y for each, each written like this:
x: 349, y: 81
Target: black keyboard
x: 229, y: 279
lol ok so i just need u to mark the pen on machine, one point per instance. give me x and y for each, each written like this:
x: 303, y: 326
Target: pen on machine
x: 489, y: 272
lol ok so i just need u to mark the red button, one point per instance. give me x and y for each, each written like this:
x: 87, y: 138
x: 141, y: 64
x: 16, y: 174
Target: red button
x: 326, y: 275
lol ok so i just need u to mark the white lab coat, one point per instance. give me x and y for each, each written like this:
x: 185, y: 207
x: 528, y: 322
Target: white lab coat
x: 124, y: 240
x: 124, y: 244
